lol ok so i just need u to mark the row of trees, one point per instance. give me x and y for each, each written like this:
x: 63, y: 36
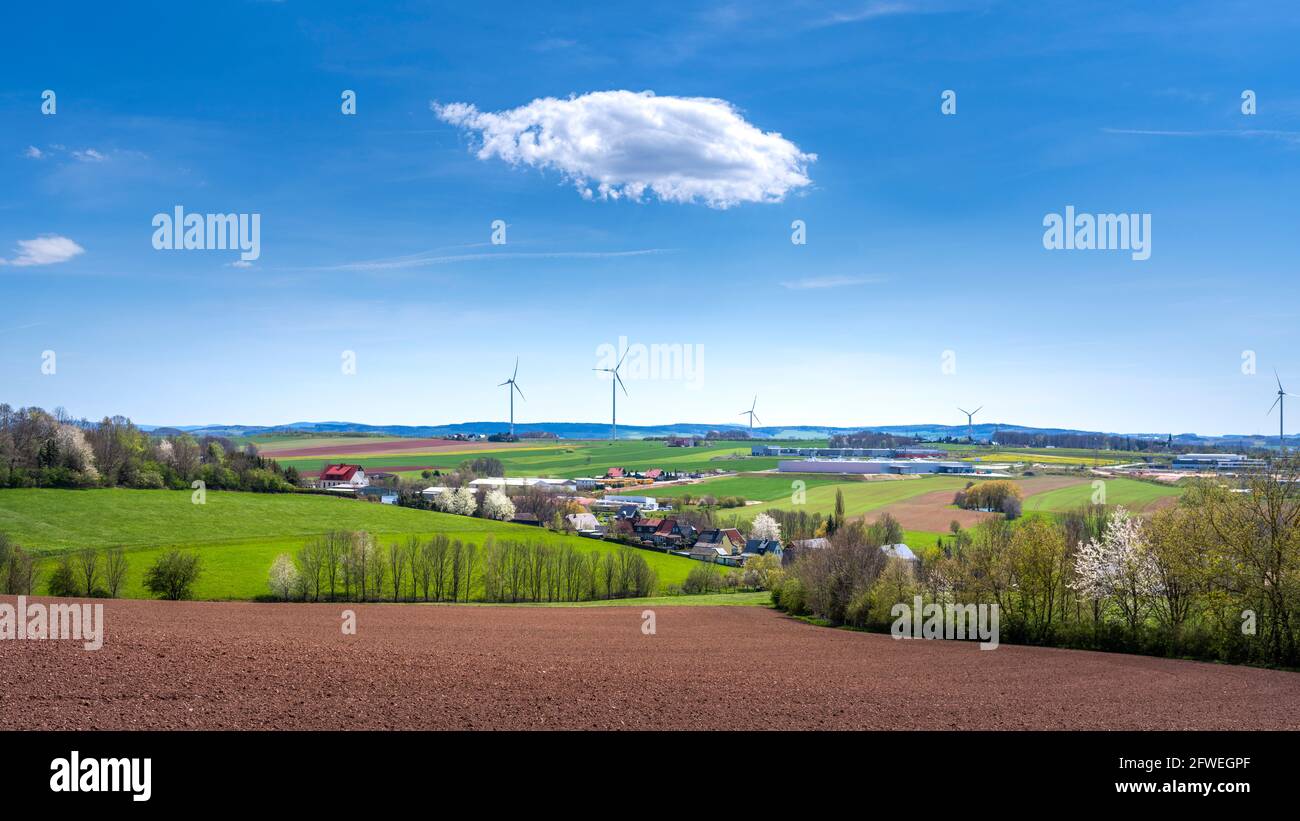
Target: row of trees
x: 353, y: 566
x: 93, y: 573
x: 1216, y: 577
x: 40, y: 449
x: 999, y: 496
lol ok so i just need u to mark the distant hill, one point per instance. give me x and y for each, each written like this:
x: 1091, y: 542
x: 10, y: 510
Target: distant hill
x: 600, y: 430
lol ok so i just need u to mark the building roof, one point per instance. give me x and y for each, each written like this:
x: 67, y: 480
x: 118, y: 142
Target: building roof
x: 340, y: 473
x: 615, y: 473
x: 758, y: 547
x: 902, y: 551
x: 654, y: 473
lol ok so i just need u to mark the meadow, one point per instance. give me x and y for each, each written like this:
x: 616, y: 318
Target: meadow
x: 565, y: 460
x: 1133, y: 494
x: 238, y: 535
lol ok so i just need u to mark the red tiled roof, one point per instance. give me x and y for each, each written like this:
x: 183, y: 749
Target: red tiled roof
x: 339, y: 473
x: 666, y: 527
x: 615, y: 473
x: 654, y: 473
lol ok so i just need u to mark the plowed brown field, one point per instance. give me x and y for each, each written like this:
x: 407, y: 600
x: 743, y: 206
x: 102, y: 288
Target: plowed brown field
x: 264, y: 666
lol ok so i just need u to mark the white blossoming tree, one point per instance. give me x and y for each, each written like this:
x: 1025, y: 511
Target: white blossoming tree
x: 465, y: 503
x: 445, y: 501
x: 1120, y: 568
x: 497, y: 505
x: 764, y: 527
x: 284, y: 577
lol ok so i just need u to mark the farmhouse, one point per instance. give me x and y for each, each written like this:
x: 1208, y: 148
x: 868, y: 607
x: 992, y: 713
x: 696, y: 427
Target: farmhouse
x: 729, y: 539
x: 353, y: 476
x: 762, y: 547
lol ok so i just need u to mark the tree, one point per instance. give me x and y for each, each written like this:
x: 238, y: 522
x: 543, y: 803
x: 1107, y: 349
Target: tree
x: 86, y: 561
x: 115, y: 565
x: 173, y: 575
x: 463, y: 502
x: 64, y: 581
x: 764, y: 527
x: 498, y: 506
x: 1119, y: 568
x: 284, y: 577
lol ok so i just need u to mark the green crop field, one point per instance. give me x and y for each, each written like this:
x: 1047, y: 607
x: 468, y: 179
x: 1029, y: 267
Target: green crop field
x: 239, y: 535
x: 1131, y: 493
x: 861, y: 497
x: 758, y: 487
x: 565, y: 459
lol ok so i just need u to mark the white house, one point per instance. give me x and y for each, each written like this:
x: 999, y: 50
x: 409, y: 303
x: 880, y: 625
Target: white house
x: 353, y: 476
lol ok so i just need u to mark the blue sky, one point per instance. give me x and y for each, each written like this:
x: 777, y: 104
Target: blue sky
x: 924, y: 231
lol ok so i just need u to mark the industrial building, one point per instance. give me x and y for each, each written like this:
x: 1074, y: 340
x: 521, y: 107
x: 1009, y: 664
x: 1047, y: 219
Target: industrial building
x: 890, y: 466
x: 1221, y: 462
x: 847, y: 453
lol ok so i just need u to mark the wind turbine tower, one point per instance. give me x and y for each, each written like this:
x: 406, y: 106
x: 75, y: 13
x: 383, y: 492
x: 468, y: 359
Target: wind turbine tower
x: 514, y: 386
x: 970, y: 427
x: 751, y: 414
x: 1280, y: 404
x: 614, y: 383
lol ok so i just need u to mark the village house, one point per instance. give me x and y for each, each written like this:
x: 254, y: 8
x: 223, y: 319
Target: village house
x: 729, y: 539
x: 334, y: 476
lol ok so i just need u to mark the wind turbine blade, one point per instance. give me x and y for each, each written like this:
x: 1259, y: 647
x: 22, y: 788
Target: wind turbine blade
x: 977, y: 410
x: 621, y: 358
x: 963, y: 410
x: 755, y: 402
x: 756, y: 419
x: 1278, y: 378
x: 1274, y: 405
x: 516, y: 373
x: 507, y: 382
x: 521, y: 393
x: 620, y: 383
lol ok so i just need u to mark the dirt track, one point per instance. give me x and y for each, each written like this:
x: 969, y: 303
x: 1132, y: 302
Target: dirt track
x: 230, y: 665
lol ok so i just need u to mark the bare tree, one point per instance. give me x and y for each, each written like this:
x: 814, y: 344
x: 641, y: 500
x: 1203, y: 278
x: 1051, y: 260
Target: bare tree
x: 87, y: 564
x: 114, y: 570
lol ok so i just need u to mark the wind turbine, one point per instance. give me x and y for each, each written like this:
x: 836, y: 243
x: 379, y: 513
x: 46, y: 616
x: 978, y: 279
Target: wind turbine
x: 969, y: 426
x: 616, y: 382
x: 751, y: 414
x: 1281, y: 408
x: 514, y: 386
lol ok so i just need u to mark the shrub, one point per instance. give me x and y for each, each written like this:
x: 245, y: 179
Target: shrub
x: 63, y: 581
x: 173, y: 575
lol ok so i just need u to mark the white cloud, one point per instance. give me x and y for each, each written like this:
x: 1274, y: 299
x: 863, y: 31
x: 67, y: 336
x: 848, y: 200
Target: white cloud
x: 89, y: 155
x: 240, y: 263
x: 33, y: 152
x: 46, y: 250
x: 813, y: 283
x: 614, y: 144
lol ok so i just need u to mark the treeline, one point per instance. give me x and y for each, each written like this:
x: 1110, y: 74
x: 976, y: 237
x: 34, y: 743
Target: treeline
x: 1082, y: 441
x: 94, y: 573
x: 354, y: 566
x: 1217, y: 577
x: 872, y: 439
x: 40, y: 449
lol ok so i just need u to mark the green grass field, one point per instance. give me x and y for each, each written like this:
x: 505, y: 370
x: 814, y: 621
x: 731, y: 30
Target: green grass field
x: 756, y: 487
x: 563, y: 460
x: 239, y: 535
x: 1131, y: 493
